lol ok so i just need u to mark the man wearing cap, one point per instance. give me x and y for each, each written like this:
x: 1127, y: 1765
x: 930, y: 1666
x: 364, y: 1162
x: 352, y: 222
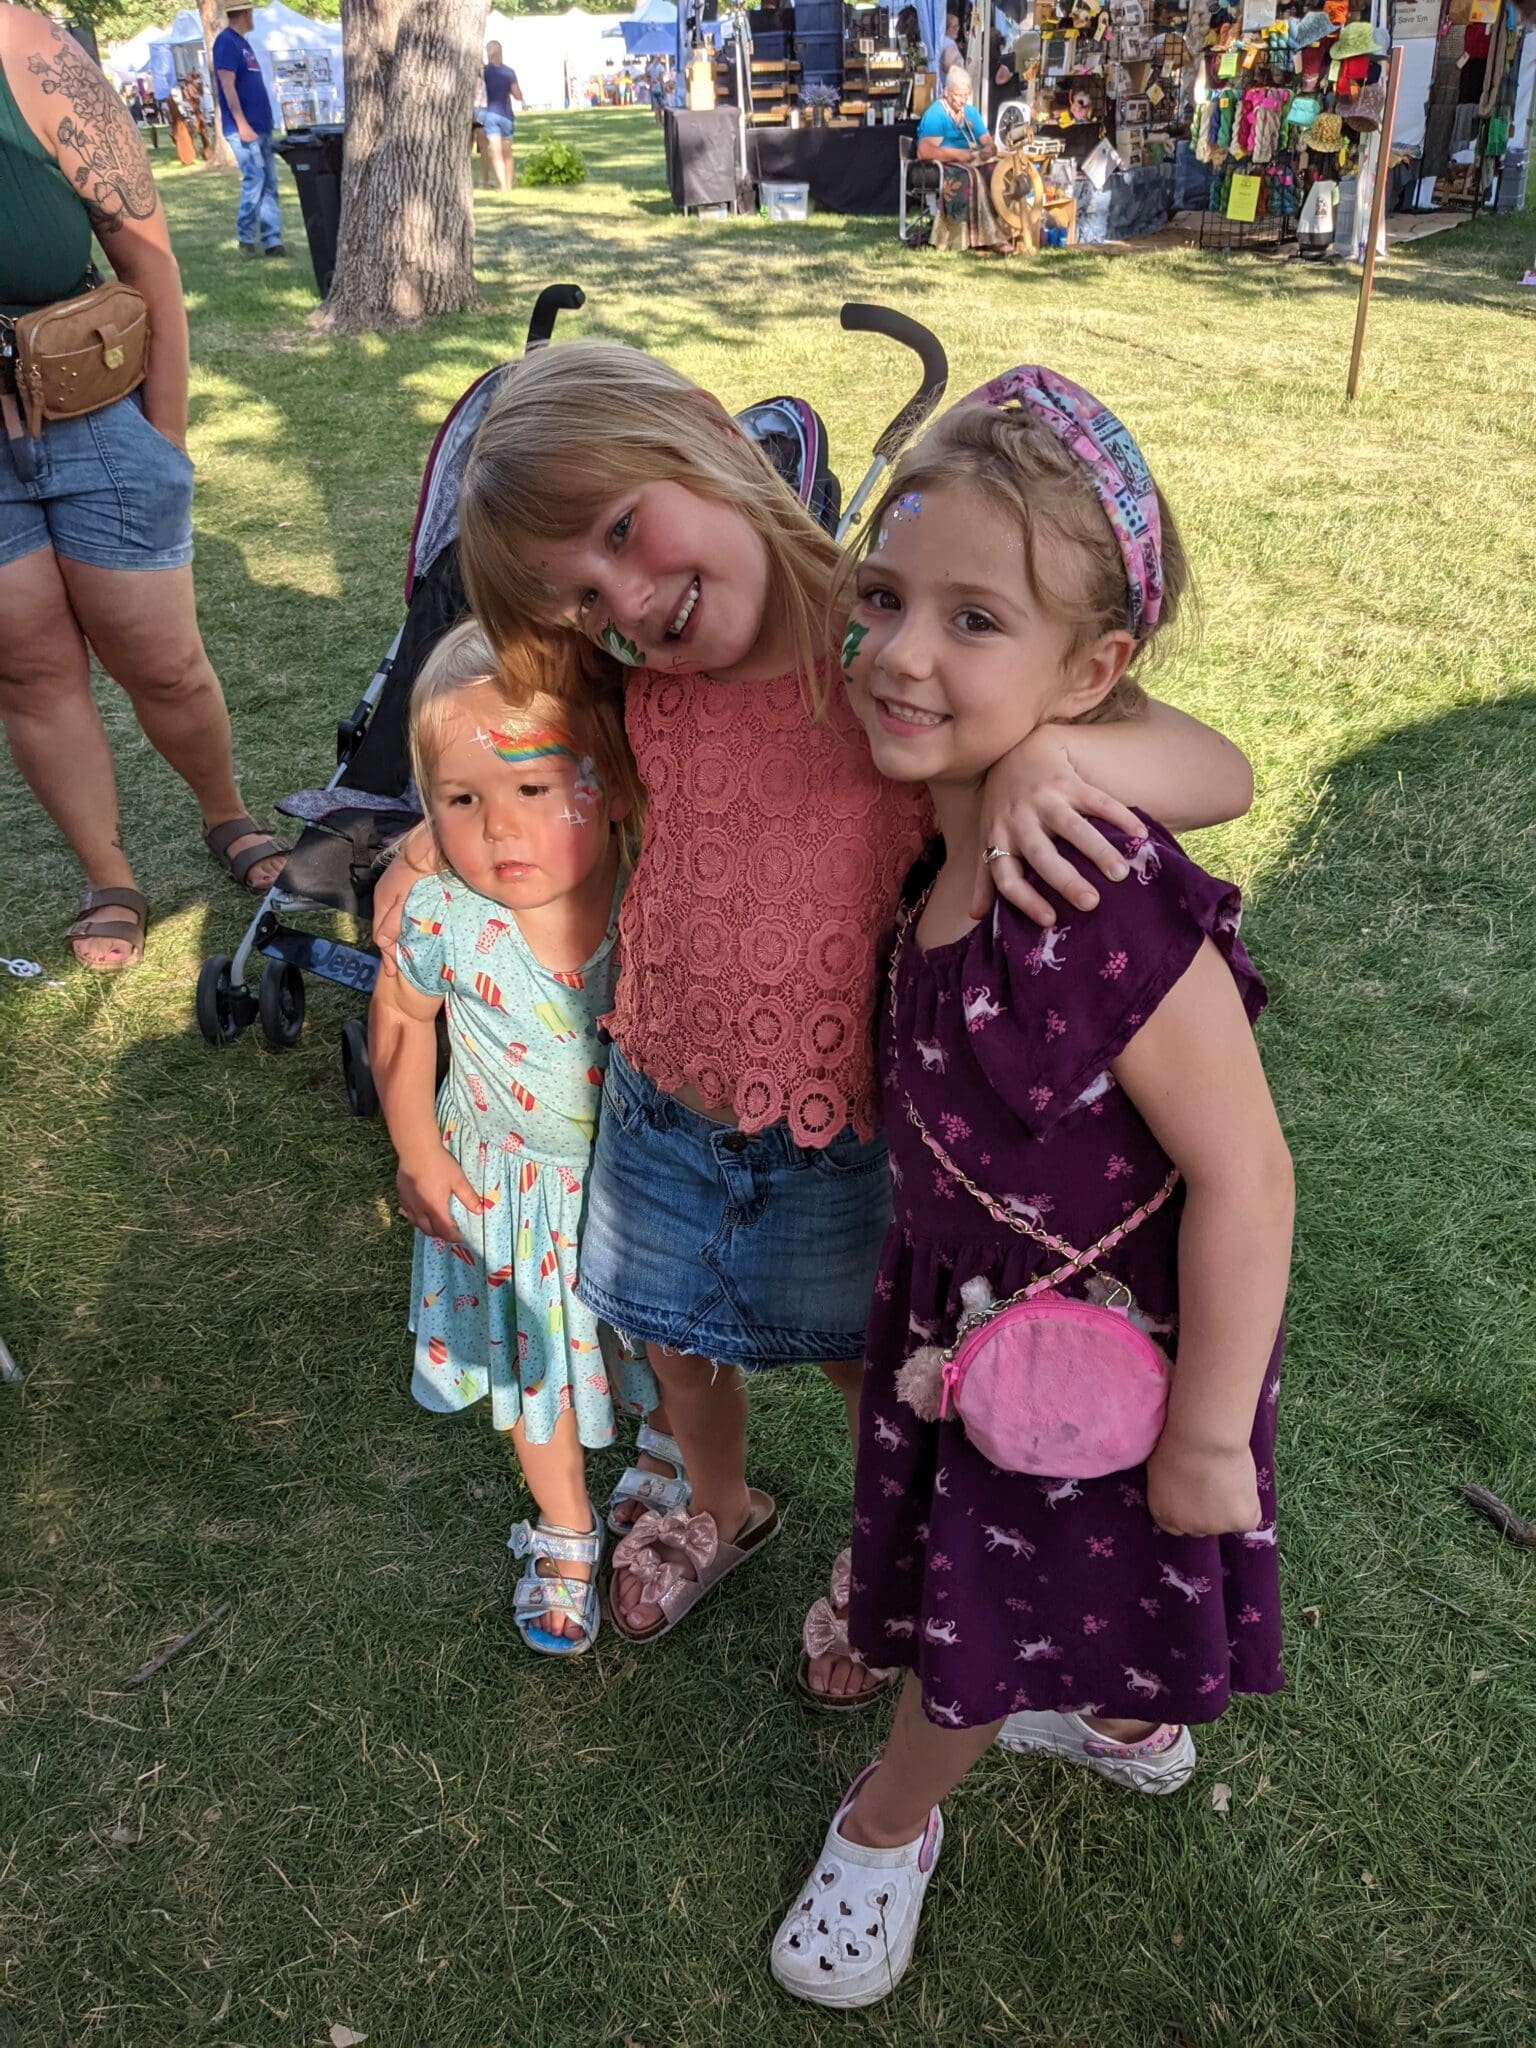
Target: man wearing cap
x: 245, y: 115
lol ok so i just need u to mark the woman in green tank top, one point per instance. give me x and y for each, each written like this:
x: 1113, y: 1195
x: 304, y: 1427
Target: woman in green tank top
x: 96, y: 523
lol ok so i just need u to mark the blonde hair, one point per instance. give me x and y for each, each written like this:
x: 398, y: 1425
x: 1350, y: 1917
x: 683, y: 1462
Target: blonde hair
x: 542, y: 681
x: 1014, y: 461
x: 575, y: 426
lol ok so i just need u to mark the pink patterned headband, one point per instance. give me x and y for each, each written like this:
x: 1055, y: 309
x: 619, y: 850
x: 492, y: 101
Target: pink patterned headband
x: 1107, y: 450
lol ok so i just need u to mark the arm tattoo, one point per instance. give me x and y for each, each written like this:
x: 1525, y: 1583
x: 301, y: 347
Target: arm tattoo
x: 114, y: 177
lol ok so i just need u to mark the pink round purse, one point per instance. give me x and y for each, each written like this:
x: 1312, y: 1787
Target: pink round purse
x: 1044, y: 1383
x: 1061, y: 1388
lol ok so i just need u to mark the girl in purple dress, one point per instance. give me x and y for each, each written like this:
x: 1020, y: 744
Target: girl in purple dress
x: 1022, y: 564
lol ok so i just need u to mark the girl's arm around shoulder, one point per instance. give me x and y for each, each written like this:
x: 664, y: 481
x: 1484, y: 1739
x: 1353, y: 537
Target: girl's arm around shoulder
x: 1054, y: 784
x: 1193, y: 1072
x: 1166, y: 763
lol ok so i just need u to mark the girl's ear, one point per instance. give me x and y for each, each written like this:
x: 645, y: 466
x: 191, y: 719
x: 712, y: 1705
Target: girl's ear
x: 1092, y: 673
x: 619, y: 806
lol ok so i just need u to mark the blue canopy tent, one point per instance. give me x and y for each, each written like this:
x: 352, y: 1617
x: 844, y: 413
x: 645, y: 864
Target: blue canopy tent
x: 649, y: 38
x: 656, y: 29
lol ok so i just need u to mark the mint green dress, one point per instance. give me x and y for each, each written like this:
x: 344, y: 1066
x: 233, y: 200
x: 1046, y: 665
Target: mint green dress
x: 497, y: 1315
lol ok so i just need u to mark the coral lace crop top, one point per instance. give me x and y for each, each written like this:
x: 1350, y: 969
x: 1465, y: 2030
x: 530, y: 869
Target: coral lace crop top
x: 772, y: 864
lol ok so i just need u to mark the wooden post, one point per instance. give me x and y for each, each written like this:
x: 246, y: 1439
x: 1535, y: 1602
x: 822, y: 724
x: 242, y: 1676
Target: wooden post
x: 1378, y: 212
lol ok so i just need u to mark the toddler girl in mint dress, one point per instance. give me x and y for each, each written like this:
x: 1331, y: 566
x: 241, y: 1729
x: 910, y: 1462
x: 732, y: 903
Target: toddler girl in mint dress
x: 516, y: 936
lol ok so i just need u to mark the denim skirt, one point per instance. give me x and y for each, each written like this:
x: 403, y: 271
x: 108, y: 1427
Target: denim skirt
x: 744, y: 1248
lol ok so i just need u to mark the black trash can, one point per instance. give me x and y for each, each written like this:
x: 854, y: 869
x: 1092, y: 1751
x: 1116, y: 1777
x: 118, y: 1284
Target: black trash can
x: 314, y: 157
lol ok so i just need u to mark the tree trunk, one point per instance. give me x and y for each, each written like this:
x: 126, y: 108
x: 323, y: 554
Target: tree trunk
x: 220, y: 156
x: 407, y: 243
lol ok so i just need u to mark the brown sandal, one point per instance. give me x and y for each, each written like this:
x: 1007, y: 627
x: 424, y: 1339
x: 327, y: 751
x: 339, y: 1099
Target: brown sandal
x: 219, y: 838
x: 679, y: 1556
x: 91, y: 924
x: 826, y: 1635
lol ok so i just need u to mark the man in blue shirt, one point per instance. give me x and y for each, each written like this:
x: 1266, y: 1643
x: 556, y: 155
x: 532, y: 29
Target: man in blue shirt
x: 245, y: 115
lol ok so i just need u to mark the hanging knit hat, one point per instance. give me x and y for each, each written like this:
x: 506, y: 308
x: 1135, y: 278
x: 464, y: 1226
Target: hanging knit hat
x: 1312, y: 28
x: 1358, y: 39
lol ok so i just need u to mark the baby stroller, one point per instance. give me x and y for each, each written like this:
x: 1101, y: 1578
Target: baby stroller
x: 370, y: 800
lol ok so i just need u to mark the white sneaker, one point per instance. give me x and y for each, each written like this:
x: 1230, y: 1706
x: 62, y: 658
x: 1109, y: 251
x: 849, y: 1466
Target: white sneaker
x: 849, y: 1936
x: 1160, y: 1762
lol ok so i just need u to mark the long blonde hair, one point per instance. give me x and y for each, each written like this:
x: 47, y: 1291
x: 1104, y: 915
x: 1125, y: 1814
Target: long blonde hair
x: 575, y: 426
x: 543, y: 682
x: 1015, y: 462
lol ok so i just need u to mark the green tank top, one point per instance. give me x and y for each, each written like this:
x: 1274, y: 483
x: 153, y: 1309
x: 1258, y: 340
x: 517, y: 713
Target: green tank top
x: 45, y: 232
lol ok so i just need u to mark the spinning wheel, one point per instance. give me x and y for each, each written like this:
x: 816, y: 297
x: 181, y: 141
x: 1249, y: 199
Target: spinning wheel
x: 1022, y: 201
x: 1012, y: 125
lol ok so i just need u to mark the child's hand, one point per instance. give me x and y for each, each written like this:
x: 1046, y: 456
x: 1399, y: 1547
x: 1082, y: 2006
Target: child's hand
x: 424, y: 1187
x: 1192, y: 1491
x: 1033, y: 797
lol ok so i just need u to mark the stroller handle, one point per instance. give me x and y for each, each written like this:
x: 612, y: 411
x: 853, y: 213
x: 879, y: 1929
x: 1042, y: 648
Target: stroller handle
x: 553, y: 300
x: 858, y: 318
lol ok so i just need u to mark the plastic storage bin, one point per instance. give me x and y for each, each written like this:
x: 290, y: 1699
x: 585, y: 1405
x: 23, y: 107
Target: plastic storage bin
x: 785, y: 201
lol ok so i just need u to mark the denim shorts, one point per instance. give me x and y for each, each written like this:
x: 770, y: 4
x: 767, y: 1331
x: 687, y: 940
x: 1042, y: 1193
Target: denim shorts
x: 110, y: 490
x: 748, y: 1249
x: 497, y: 124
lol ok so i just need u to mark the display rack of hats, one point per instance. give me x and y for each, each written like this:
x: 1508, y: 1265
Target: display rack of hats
x: 1281, y: 112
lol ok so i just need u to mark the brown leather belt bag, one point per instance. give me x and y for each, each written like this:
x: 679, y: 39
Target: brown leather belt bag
x: 71, y: 358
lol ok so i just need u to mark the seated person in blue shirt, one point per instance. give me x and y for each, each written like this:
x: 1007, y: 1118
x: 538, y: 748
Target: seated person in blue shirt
x: 953, y: 135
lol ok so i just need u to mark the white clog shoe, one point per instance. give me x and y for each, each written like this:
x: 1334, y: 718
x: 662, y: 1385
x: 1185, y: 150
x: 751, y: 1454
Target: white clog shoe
x: 849, y: 1936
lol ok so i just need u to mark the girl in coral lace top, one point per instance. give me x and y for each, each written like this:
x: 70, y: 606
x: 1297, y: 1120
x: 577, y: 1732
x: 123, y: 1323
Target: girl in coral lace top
x: 740, y: 1188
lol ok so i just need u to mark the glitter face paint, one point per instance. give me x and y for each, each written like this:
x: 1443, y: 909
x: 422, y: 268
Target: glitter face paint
x: 908, y: 507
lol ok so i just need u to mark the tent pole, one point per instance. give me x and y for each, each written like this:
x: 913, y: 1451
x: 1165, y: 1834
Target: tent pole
x: 1378, y: 212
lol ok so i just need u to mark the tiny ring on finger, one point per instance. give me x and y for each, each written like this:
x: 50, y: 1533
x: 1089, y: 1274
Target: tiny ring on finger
x: 998, y: 853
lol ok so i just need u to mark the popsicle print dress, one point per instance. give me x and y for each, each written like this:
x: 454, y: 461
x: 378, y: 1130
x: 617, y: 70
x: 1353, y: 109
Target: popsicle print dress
x: 497, y: 1315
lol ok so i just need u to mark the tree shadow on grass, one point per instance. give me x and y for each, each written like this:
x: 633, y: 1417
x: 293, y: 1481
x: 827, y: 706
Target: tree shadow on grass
x: 1398, y: 938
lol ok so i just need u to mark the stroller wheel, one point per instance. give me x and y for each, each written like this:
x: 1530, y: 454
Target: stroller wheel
x: 280, y: 1004
x: 222, y: 1010
x: 357, y: 1071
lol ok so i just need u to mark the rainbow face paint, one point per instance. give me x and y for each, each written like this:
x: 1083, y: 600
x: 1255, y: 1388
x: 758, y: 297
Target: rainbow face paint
x: 516, y: 748
x: 852, y: 641
x: 613, y: 642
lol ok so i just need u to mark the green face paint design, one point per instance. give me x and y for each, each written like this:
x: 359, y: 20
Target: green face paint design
x: 852, y: 640
x: 621, y: 649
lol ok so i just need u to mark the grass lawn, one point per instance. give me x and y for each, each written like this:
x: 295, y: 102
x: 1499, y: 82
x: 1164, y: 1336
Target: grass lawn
x: 355, y: 1800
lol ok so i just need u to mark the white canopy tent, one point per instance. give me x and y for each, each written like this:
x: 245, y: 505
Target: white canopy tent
x: 175, y: 51
x: 130, y: 59
x: 282, y: 37
x: 545, y: 49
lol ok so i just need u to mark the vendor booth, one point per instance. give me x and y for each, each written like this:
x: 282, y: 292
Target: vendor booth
x: 828, y: 93
x: 1470, y: 114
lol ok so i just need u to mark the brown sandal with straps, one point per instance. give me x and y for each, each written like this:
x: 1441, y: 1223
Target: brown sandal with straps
x: 92, y: 924
x: 219, y: 838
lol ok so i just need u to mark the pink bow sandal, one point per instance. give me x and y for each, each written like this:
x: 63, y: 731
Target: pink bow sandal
x: 826, y: 1635
x: 677, y: 1557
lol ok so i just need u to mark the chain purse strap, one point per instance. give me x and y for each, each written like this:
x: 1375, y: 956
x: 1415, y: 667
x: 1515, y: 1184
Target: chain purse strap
x: 1074, y: 1261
